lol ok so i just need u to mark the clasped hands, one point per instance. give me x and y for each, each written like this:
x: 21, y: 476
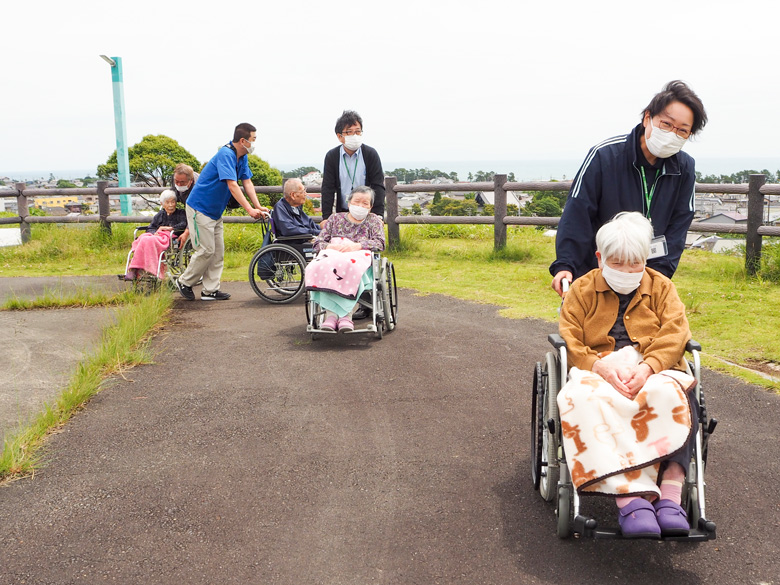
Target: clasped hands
x: 627, y: 379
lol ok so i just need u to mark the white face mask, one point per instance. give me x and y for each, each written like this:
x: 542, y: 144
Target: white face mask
x: 251, y: 148
x: 359, y: 213
x: 663, y: 143
x: 181, y: 188
x: 621, y: 282
x: 353, y: 142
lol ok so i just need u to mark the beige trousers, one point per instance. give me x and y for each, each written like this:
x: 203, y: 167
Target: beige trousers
x: 208, y: 258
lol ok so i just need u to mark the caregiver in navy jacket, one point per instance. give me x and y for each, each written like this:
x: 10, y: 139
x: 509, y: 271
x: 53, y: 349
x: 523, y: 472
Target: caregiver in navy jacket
x: 642, y: 171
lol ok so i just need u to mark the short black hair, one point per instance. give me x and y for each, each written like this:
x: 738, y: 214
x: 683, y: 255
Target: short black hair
x: 243, y: 131
x: 347, y: 119
x: 678, y: 91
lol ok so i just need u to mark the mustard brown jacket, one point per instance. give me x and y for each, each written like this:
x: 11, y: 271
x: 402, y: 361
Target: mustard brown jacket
x: 655, y: 321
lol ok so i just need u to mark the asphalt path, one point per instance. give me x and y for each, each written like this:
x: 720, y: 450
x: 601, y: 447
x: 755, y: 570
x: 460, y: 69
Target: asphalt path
x: 248, y: 453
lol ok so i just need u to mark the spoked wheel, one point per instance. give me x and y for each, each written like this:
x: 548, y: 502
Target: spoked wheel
x: 176, y: 262
x: 146, y: 283
x: 537, y: 426
x: 276, y: 273
x: 390, y: 296
x: 548, y: 481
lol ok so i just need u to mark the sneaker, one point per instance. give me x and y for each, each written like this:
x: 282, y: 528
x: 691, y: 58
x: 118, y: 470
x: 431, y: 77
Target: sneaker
x: 346, y: 324
x: 186, y: 291
x: 217, y: 295
x: 330, y: 324
x: 361, y: 313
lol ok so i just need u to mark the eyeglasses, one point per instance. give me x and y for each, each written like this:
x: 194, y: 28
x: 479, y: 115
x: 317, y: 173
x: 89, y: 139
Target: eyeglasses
x: 669, y: 127
x: 352, y: 133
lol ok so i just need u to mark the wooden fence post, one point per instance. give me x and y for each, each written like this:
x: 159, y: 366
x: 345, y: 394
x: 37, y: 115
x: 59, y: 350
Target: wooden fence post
x: 755, y: 220
x: 104, y: 206
x: 24, y: 211
x: 391, y: 208
x: 499, y: 212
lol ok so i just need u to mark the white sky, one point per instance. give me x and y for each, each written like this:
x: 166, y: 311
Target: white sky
x: 433, y: 80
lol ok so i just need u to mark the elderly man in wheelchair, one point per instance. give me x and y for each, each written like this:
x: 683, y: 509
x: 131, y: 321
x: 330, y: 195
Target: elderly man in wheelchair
x: 276, y: 270
x: 629, y: 422
x: 162, y: 249
x: 347, y: 264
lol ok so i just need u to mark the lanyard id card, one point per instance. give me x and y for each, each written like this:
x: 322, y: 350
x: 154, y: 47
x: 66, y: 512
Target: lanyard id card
x: 658, y: 248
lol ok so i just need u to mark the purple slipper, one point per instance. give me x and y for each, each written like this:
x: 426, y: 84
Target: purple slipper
x: 637, y: 520
x: 672, y: 519
x: 330, y: 324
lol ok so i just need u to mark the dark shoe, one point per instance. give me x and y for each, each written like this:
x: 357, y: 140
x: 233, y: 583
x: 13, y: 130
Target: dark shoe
x: 217, y: 295
x: 186, y: 291
x: 361, y: 313
x: 671, y: 518
x: 637, y: 520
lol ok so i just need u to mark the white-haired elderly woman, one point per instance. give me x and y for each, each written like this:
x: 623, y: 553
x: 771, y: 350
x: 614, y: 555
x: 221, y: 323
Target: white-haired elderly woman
x: 165, y: 225
x: 627, y: 413
x: 338, y: 275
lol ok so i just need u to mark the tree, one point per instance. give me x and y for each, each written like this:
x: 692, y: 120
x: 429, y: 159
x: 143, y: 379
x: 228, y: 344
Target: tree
x: 299, y: 172
x: 263, y: 175
x: 511, y: 177
x: 416, y: 209
x: 545, y: 205
x: 152, y: 161
x: 65, y: 184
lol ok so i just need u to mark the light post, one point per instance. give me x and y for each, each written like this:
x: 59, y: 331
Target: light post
x: 122, y: 158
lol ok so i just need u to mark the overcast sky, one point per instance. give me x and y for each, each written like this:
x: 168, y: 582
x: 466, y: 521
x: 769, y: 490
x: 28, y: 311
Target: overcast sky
x: 433, y: 80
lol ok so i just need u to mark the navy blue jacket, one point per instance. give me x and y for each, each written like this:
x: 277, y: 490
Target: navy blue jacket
x: 331, y: 181
x: 609, y: 182
x: 289, y: 223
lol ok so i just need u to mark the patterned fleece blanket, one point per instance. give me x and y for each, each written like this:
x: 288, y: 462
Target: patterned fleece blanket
x: 614, y: 445
x: 147, y: 249
x: 337, y: 272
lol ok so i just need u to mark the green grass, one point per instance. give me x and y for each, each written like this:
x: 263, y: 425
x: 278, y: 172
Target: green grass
x: 57, y: 299
x: 122, y: 345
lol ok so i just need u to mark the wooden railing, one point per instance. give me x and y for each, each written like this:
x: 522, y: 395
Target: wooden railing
x: 755, y: 190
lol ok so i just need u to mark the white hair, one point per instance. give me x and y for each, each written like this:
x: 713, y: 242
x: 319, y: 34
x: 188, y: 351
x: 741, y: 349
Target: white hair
x: 166, y: 195
x: 625, y: 238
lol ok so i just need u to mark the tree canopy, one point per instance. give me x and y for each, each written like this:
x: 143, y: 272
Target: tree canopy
x: 299, y: 172
x: 152, y: 161
x: 739, y: 177
x: 545, y: 204
x: 408, y: 175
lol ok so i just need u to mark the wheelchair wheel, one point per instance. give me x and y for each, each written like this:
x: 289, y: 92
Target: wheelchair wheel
x: 390, y: 296
x: 146, y: 283
x: 537, y: 426
x: 177, y: 261
x: 276, y: 273
x: 564, y: 512
x: 548, y: 480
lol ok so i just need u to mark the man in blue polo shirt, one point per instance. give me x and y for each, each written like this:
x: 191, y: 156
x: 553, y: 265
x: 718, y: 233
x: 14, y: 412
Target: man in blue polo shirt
x: 217, y: 183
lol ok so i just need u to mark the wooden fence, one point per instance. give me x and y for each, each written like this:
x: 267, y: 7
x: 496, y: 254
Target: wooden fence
x: 755, y: 190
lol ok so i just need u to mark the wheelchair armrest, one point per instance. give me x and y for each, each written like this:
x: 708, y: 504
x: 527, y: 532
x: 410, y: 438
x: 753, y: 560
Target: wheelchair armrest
x: 692, y: 346
x: 556, y: 340
x: 302, y: 239
x: 140, y: 228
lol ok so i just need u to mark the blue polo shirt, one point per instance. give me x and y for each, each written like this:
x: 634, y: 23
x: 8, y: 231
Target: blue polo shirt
x: 211, y: 194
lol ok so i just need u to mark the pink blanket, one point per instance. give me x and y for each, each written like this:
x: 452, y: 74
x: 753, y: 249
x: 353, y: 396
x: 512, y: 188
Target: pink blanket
x: 146, y: 253
x: 337, y: 272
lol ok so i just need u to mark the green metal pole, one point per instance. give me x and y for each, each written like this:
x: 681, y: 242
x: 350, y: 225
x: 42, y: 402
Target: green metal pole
x: 122, y: 157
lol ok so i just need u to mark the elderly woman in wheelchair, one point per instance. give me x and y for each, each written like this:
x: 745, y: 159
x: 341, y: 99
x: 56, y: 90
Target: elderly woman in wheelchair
x: 628, y: 414
x: 159, y: 245
x: 346, y: 263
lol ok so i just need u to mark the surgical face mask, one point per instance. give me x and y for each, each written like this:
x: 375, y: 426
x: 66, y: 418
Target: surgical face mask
x: 621, y: 282
x: 359, y: 213
x: 181, y: 188
x: 353, y: 142
x: 663, y: 143
x: 251, y: 148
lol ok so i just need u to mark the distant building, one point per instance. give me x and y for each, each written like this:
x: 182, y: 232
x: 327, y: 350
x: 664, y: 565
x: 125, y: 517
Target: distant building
x: 489, y: 198
x: 728, y: 217
x: 56, y: 201
x: 312, y: 178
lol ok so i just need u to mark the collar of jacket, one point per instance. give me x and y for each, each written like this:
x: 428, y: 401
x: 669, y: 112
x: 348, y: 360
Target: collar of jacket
x: 671, y: 165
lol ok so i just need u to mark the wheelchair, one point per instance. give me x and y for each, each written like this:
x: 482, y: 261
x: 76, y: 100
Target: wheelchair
x: 171, y: 264
x: 276, y: 269
x: 550, y: 471
x: 382, y: 301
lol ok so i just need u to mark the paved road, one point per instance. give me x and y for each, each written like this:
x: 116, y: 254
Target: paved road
x: 249, y: 454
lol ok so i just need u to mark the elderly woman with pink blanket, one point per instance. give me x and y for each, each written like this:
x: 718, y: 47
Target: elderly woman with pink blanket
x: 627, y: 414
x: 341, y: 270
x: 163, y: 227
